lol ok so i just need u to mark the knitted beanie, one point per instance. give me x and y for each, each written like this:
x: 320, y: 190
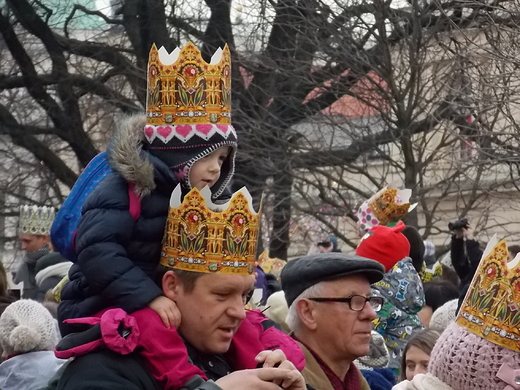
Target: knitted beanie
x: 27, y: 326
x: 277, y: 309
x: 466, y: 361
x: 444, y: 315
x: 386, y: 245
x: 378, y: 355
x: 181, y: 155
x: 423, y: 382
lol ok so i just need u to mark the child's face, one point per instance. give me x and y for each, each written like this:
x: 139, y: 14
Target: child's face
x: 206, y: 171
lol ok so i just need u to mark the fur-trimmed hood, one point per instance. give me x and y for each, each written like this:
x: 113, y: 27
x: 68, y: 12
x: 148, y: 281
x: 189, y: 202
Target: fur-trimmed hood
x: 126, y: 157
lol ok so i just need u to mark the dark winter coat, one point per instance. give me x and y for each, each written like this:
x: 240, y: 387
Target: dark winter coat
x: 107, y: 370
x: 465, y: 257
x: 117, y: 256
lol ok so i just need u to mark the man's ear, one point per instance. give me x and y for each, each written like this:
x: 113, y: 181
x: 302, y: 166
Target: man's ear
x: 307, y: 314
x: 171, y: 285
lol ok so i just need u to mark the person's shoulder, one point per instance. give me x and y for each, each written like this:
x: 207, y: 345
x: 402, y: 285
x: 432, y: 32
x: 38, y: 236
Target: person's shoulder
x: 107, y: 370
x: 49, y: 259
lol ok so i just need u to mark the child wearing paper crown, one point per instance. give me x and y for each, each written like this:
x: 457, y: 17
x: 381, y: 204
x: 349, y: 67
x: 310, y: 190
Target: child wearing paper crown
x: 187, y: 138
x: 190, y: 246
x: 401, y: 287
x: 118, y: 257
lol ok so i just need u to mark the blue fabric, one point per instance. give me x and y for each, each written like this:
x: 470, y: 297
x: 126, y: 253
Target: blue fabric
x: 117, y: 256
x: 261, y: 283
x: 66, y: 222
x: 379, y: 378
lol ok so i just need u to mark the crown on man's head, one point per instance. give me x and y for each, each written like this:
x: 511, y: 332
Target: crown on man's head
x: 386, y: 207
x: 187, y: 95
x: 204, y: 237
x: 36, y: 220
x: 491, y: 308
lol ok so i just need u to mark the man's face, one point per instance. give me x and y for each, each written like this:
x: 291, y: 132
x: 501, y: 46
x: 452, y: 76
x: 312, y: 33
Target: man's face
x: 213, y: 311
x: 31, y: 242
x: 342, y: 333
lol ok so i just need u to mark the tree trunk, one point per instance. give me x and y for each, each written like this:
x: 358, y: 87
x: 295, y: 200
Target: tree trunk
x: 279, y: 242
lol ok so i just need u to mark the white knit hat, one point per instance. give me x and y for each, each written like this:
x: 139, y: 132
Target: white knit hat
x: 27, y: 326
x: 422, y: 382
x: 277, y: 309
x: 444, y: 315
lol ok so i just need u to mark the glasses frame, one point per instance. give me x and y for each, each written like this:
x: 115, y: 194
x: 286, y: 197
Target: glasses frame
x: 348, y: 300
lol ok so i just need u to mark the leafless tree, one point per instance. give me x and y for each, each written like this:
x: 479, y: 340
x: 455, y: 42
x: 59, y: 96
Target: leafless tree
x: 295, y: 63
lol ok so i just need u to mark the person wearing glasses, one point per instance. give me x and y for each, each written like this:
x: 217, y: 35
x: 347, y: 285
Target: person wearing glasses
x: 331, y: 309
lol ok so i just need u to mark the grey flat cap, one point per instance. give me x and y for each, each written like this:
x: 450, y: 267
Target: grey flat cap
x: 300, y: 274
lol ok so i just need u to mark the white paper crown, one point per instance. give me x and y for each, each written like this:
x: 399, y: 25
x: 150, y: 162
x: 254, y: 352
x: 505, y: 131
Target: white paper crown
x: 36, y: 220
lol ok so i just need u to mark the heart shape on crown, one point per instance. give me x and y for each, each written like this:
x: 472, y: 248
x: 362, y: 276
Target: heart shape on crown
x: 204, y: 129
x: 164, y: 132
x: 183, y: 130
x: 148, y: 132
x: 223, y: 128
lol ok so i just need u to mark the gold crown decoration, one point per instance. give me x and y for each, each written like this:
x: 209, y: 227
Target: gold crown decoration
x: 386, y: 207
x: 36, y: 220
x: 186, y: 95
x: 491, y: 308
x: 428, y: 274
x: 271, y: 265
x: 201, y: 236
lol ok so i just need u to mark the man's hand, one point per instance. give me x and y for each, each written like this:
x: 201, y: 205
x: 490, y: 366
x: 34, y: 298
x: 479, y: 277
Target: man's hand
x: 296, y: 382
x: 167, y: 310
x: 270, y: 358
x: 263, y: 379
x: 465, y: 232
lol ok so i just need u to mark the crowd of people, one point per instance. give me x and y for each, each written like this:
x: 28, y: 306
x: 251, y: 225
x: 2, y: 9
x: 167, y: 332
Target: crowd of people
x: 165, y: 290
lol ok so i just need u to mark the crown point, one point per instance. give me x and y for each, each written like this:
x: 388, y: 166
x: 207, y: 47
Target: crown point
x: 181, y: 82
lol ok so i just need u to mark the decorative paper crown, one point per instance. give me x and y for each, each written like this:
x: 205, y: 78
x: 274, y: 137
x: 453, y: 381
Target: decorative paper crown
x: 36, y: 220
x: 491, y: 308
x: 203, y: 237
x: 427, y: 274
x: 186, y: 95
x: 386, y: 207
x: 271, y: 265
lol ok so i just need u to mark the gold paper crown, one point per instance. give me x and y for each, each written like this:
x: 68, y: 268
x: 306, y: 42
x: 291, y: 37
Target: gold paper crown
x: 183, y: 89
x: 36, y: 220
x: 387, y: 206
x: 203, y: 237
x: 271, y: 265
x: 491, y: 308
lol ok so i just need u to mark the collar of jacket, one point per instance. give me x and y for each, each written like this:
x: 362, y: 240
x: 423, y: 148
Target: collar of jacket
x: 314, y: 375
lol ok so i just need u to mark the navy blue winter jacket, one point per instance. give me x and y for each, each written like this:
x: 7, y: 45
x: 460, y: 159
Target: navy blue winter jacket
x: 117, y: 256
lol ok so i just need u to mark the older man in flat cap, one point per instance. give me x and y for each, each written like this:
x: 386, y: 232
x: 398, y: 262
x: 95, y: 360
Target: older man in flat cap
x: 331, y: 309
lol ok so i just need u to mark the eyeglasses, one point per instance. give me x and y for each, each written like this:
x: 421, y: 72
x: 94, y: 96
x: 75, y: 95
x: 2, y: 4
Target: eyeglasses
x: 355, y: 302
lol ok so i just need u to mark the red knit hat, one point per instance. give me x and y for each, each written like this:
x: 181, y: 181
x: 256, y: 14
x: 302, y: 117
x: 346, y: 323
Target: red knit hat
x: 386, y: 245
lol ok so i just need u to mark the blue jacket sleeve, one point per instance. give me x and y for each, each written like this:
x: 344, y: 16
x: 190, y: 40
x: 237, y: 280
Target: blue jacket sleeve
x: 104, y: 233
